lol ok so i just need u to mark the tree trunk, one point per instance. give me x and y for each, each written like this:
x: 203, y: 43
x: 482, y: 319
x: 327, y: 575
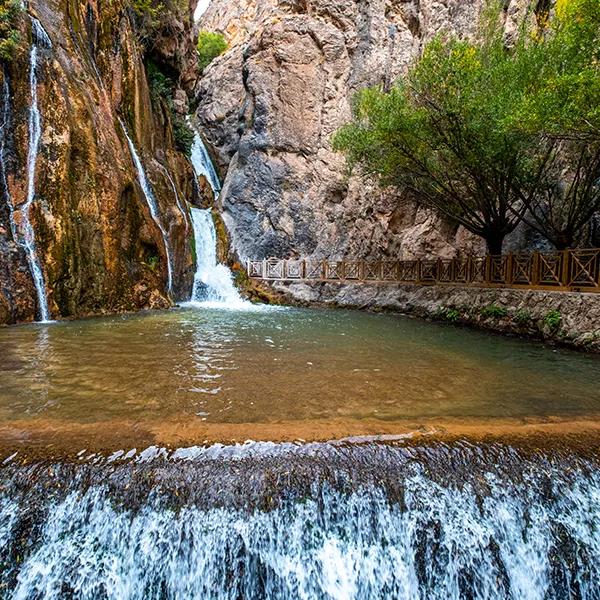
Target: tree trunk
x: 563, y: 240
x: 494, y: 243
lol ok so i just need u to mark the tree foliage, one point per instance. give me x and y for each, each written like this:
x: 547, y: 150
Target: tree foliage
x: 210, y: 45
x: 161, y: 90
x: 10, y: 11
x: 477, y: 130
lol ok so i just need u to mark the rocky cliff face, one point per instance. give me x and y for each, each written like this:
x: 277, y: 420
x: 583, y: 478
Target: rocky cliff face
x: 269, y: 106
x: 100, y: 248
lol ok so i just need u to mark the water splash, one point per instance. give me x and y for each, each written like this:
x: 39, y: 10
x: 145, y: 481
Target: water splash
x: 437, y: 523
x: 203, y: 165
x: 213, y: 282
x: 152, y: 203
x: 23, y: 231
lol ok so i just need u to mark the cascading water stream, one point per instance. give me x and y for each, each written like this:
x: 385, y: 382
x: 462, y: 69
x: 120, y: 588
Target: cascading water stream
x: 21, y: 224
x: 457, y: 522
x: 213, y: 282
x: 152, y: 203
x: 203, y: 165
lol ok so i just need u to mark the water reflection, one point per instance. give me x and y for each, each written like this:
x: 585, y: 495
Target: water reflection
x: 289, y: 365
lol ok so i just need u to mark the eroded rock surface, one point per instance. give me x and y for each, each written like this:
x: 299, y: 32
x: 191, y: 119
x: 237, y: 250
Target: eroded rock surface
x: 269, y: 106
x: 99, y: 247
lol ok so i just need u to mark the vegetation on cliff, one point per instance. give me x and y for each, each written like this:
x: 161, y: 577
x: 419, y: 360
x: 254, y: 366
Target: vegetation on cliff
x: 161, y: 89
x: 492, y: 132
x: 210, y: 45
x: 10, y: 11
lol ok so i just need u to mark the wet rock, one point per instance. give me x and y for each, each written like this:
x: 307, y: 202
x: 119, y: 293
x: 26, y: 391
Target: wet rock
x: 94, y: 231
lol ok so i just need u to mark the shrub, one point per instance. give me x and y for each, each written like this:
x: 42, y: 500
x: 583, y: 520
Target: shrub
x: 184, y: 136
x: 210, y: 45
x: 523, y: 317
x: 444, y: 313
x: 553, y: 320
x: 152, y: 262
x: 161, y: 86
x: 10, y: 11
x: 493, y: 311
x: 452, y: 315
x: 161, y: 89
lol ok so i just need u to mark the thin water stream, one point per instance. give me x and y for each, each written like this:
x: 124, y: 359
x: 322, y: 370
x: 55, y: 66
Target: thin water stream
x: 20, y: 215
x: 151, y: 202
x: 203, y: 165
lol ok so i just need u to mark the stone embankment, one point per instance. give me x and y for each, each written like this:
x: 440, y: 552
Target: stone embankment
x: 565, y: 318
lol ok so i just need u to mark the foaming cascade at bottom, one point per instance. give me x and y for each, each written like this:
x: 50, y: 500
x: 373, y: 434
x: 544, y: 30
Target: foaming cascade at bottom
x: 316, y: 521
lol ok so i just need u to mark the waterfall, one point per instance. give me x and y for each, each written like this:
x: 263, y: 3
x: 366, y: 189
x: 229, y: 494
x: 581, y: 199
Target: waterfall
x: 447, y: 522
x: 213, y: 282
x: 151, y: 201
x: 23, y: 233
x: 203, y: 164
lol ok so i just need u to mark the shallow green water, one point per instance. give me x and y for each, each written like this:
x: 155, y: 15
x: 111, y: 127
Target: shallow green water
x: 219, y: 366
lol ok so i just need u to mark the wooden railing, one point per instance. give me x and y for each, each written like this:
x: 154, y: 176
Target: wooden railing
x: 569, y: 270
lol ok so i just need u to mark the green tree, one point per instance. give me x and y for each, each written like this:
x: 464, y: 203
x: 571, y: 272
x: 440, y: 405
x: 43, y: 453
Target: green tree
x: 210, y: 45
x: 10, y: 11
x: 562, y: 109
x: 440, y: 134
x: 473, y: 129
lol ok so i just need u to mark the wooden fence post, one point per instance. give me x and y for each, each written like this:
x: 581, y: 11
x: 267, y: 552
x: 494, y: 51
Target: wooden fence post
x: 566, y: 268
x: 536, y: 268
x: 509, y: 274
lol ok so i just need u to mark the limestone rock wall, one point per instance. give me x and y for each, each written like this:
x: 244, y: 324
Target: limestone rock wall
x: 269, y: 106
x: 100, y: 248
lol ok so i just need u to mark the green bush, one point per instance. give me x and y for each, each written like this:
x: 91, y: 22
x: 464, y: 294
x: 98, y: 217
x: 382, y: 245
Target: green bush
x: 152, y: 262
x: 523, y: 317
x: 553, y: 320
x: 210, y: 45
x: 493, y: 311
x: 10, y: 11
x: 444, y: 313
x: 184, y: 136
x: 161, y: 89
x: 161, y: 86
x: 452, y: 315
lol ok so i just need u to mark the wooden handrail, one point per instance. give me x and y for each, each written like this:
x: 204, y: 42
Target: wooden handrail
x: 567, y: 270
